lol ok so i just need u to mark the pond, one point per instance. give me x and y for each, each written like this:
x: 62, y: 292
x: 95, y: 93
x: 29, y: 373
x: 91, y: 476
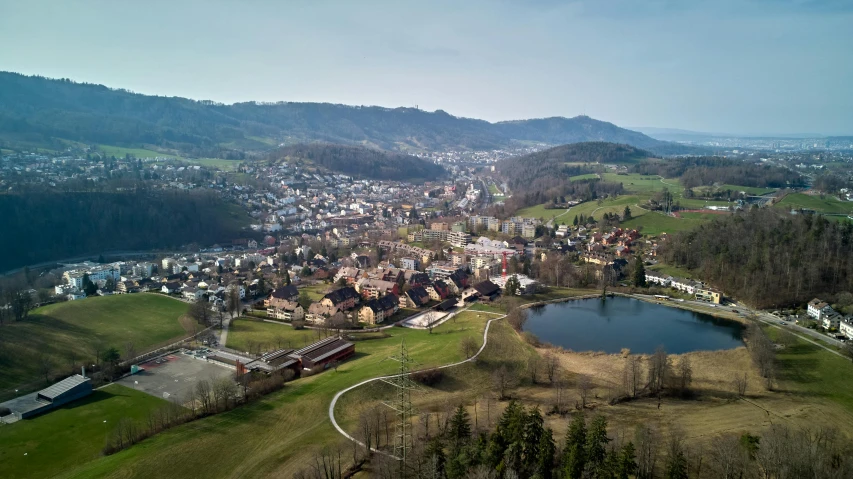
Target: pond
x: 618, y: 322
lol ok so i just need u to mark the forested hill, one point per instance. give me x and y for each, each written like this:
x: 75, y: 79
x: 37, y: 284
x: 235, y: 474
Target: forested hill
x: 769, y: 258
x: 362, y: 162
x: 546, y: 168
x: 37, y: 110
x: 39, y: 227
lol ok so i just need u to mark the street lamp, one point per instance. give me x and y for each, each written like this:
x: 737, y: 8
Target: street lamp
x: 16, y: 393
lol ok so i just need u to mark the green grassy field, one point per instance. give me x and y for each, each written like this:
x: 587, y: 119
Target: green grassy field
x: 493, y: 189
x: 66, y: 333
x: 283, y: 432
x: 752, y: 190
x: 827, y: 204
x: 670, y: 270
x: 540, y: 212
x: 812, y: 371
x: 120, y: 152
x: 588, y: 176
x: 71, y: 435
x: 224, y: 165
x: 268, y: 336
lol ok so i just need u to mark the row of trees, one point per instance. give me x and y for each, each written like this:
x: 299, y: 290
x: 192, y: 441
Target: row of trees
x: 709, y: 170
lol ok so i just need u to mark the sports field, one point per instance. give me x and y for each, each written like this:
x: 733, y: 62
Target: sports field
x: 50, y: 444
x: 247, y: 334
x: 68, y: 333
x: 280, y: 434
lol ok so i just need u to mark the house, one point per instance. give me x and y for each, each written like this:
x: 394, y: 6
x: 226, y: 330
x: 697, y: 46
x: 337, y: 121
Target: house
x: 410, y: 263
x: 438, y: 290
x: 657, y: 278
x: 378, y: 310
x: 192, y: 294
x: 415, y: 297
x: 708, y: 294
x: 284, y: 293
x: 818, y: 309
x: 374, y: 288
x: 845, y: 327
x: 342, y: 299
x: 172, y: 287
x: 487, y: 290
x: 419, y: 279
x: 831, y: 321
x: 349, y: 274
x: 286, y: 310
x: 239, y: 287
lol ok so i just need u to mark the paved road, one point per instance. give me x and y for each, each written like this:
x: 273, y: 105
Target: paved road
x: 344, y: 391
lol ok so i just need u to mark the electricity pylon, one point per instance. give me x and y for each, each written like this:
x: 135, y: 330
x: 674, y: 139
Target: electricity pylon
x: 402, y: 405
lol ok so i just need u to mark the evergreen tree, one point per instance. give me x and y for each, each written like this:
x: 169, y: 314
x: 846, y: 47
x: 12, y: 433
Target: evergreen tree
x: 545, y: 459
x: 676, y: 466
x: 574, y: 457
x: 436, y: 459
x: 286, y: 279
x: 511, y: 286
x: 627, y: 462
x: 89, y: 287
x: 459, y: 430
x: 639, y: 273
x: 626, y: 215
x: 575, y: 221
x: 533, y: 431
x: 596, y: 445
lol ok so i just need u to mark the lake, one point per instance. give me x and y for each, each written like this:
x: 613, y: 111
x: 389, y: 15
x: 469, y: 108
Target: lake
x: 618, y: 322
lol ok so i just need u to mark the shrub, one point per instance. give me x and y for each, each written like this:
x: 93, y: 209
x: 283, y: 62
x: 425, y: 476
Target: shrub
x: 429, y: 377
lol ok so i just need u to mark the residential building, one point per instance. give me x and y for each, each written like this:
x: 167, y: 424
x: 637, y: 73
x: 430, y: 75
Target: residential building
x: 378, y: 310
x: 818, y: 309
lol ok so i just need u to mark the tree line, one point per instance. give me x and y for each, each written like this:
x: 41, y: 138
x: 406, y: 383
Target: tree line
x: 708, y: 170
x: 41, y: 226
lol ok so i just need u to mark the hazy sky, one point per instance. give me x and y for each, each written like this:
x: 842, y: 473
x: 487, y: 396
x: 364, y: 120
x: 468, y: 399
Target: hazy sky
x: 742, y: 66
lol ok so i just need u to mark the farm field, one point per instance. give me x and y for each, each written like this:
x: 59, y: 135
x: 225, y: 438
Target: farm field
x: 70, y: 435
x: 280, y: 434
x: 224, y: 165
x: 827, y: 204
x: 540, y: 212
x: 121, y: 152
x: 587, y: 176
x: 752, y: 190
x: 67, y: 333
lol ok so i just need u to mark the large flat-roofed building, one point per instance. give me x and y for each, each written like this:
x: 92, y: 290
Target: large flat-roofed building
x: 69, y: 389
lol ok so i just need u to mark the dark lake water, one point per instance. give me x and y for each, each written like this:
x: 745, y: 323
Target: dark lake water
x: 616, y: 323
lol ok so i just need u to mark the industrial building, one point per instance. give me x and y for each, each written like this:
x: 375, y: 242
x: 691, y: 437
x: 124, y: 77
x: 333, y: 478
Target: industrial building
x: 69, y: 389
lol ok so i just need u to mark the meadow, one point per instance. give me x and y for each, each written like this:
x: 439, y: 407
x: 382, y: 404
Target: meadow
x: 121, y: 152
x: 827, y: 204
x: 66, y: 334
x: 52, y: 443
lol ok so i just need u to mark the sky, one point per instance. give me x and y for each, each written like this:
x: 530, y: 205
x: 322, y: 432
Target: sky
x: 723, y: 66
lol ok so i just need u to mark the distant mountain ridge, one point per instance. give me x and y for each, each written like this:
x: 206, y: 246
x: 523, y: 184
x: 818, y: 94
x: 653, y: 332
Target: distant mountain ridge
x: 37, y: 110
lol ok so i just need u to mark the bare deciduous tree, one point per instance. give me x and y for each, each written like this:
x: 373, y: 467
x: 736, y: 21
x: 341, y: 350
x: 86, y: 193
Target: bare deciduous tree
x: 468, y: 346
x: 584, y: 388
x: 552, y: 366
x: 740, y: 384
x: 631, y: 376
x: 503, y: 380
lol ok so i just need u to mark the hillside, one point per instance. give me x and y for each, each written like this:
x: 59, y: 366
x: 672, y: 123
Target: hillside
x: 559, y: 163
x: 362, y: 162
x: 41, y: 227
x: 40, y: 111
x: 67, y: 334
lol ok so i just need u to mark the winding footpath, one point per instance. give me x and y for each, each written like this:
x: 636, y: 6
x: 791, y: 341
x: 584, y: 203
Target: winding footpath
x: 344, y: 391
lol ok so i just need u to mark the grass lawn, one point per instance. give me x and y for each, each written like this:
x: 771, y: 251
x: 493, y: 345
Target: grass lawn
x: 282, y: 433
x: 540, y: 212
x: 809, y: 370
x: 493, y: 189
x: 827, y: 204
x: 750, y: 190
x: 224, y: 165
x: 655, y: 223
x: 267, y: 336
x: 670, y: 270
x: 637, y: 183
x: 70, y: 435
x: 120, y: 152
x: 317, y: 291
x: 588, y: 176
x: 67, y: 333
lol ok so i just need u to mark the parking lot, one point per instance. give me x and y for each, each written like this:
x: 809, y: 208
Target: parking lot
x: 174, y: 375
